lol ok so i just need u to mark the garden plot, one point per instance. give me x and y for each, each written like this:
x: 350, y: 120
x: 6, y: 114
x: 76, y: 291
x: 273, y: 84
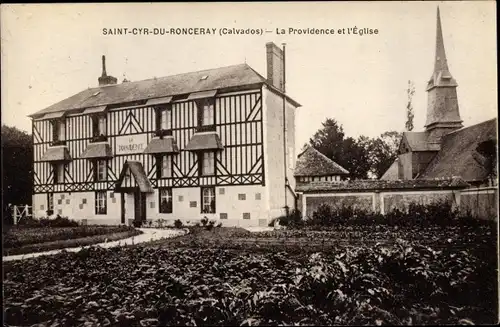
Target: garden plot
x: 207, y: 278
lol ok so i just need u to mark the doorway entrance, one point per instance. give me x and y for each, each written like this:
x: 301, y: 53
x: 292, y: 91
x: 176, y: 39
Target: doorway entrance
x: 139, y: 206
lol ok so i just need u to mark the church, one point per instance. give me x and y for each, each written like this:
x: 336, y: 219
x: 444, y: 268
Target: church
x: 446, y: 149
x: 217, y: 143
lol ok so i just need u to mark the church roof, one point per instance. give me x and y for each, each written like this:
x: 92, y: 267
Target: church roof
x: 418, y: 141
x: 458, y: 149
x: 311, y: 162
x: 182, y: 84
x: 392, y: 173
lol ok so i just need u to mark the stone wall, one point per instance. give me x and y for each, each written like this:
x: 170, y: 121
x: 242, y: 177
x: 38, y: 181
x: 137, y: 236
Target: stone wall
x: 479, y: 202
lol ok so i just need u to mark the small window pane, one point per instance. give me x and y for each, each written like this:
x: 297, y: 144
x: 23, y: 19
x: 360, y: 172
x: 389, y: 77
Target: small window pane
x: 166, y: 167
x: 100, y: 203
x: 102, y: 125
x: 208, y: 112
x: 101, y: 170
x: 208, y: 163
x: 165, y: 200
x: 208, y: 200
x: 62, y: 130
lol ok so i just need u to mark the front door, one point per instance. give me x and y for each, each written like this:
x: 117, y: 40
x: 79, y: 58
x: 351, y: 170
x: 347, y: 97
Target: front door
x: 139, y: 206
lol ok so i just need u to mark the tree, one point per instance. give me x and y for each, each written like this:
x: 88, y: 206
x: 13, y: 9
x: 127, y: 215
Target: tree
x: 382, y: 151
x: 329, y: 140
x: 347, y: 152
x: 410, y: 91
x: 17, y: 171
x: 487, y: 151
x: 361, y: 157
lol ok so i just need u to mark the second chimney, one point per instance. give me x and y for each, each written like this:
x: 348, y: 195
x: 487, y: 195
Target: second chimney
x: 275, y: 65
x: 105, y: 79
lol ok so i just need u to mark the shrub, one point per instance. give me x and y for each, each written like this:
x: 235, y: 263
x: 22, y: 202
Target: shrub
x: 294, y: 219
x: 204, y: 221
x: 438, y: 213
x: 322, y: 216
x: 210, y: 225
x: 137, y: 223
x: 178, y: 223
x: 47, y: 222
x: 219, y: 224
x: 160, y: 222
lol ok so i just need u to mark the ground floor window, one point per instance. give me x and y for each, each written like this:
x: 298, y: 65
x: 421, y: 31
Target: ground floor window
x: 165, y: 200
x: 100, y: 203
x: 208, y: 200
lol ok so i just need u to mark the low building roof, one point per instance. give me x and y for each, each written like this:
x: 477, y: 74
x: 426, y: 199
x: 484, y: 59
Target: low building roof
x: 376, y: 185
x: 311, y: 162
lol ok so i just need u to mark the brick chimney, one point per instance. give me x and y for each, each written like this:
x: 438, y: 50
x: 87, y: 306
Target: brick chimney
x: 105, y: 79
x: 275, y: 65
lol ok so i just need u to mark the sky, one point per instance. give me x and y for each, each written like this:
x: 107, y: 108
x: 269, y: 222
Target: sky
x: 52, y: 51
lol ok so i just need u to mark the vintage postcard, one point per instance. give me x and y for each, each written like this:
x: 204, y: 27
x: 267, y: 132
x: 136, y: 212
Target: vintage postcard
x: 270, y: 163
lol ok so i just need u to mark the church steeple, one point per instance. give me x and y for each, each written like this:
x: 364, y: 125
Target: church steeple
x: 442, y: 108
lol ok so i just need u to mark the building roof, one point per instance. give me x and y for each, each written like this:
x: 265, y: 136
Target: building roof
x: 458, y: 149
x: 181, y: 84
x: 204, y: 141
x: 374, y: 185
x: 418, y: 141
x: 392, y: 173
x: 311, y: 162
x: 56, y: 153
x: 164, y: 145
x: 97, y: 150
x: 137, y: 170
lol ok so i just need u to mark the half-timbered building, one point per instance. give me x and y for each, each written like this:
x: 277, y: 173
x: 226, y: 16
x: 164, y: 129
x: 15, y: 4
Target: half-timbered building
x: 217, y: 143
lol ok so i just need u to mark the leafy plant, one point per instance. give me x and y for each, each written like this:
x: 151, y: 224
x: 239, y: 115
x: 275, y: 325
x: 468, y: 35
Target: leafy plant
x: 178, y: 223
x: 210, y: 225
x: 204, y: 221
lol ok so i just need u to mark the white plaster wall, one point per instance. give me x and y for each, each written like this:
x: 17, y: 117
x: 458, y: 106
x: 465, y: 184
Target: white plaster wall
x: 39, y: 205
x: 78, y: 206
x: 273, y: 147
x: 226, y: 202
x: 230, y: 204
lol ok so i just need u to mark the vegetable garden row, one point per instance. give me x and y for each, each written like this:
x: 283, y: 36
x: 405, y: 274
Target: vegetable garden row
x: 194, y: 281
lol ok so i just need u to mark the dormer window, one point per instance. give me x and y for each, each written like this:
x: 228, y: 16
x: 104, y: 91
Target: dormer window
x: 99, y: 126
x: 58, y: 131
x: 206, y: 112
x: 163, y: 118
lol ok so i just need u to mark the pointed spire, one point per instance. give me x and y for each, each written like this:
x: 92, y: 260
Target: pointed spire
x: 440, y: 64
x: 442, y: 106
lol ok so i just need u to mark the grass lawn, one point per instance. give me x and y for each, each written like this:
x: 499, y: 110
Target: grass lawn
x: 229, y: 276
x: 22, y: 239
